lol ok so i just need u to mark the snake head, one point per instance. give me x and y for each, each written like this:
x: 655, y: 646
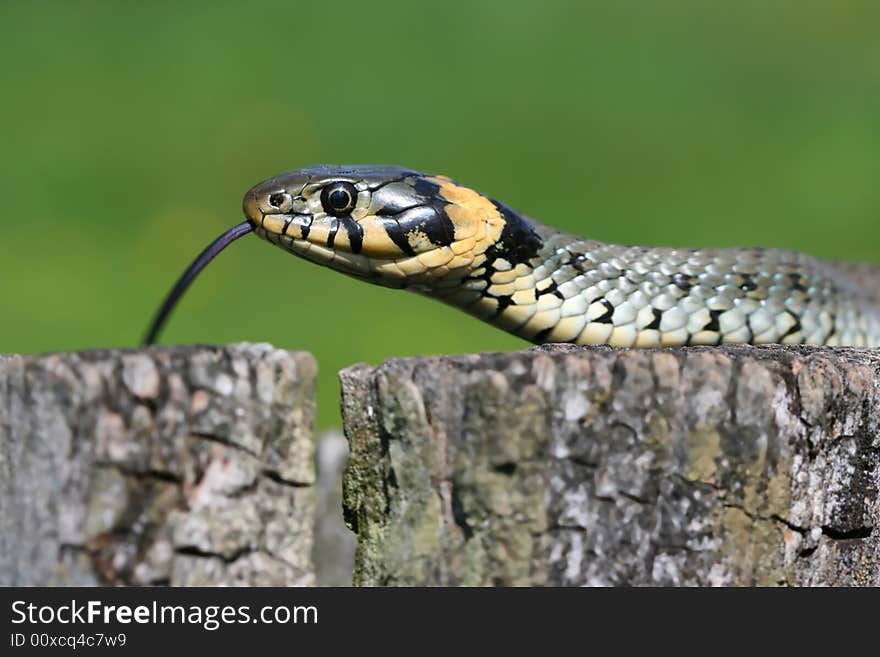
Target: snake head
x: 388, y: 225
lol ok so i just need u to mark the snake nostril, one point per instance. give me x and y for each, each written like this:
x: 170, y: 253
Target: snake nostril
x: 276, y: 200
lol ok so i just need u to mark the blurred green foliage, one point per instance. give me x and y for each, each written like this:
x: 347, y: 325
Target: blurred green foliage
x: 130, y: 132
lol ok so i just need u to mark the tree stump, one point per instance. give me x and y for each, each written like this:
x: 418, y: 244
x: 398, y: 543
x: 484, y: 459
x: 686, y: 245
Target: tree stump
x: 182, y: 466
x: 560, y: 465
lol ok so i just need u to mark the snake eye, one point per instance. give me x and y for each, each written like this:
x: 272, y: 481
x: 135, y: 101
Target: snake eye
x: 339, y: 199
x: 276, y: 200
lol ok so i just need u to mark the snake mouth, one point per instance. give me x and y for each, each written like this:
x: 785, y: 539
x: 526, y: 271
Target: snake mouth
x: 292, y: 231
x: 251, y: 207
x: 334, y: 242
x: 353, y: 264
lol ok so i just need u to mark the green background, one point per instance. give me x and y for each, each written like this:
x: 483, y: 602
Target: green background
x: 130, y: 131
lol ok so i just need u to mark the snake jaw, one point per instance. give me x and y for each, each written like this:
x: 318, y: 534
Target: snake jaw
x: 346, y: 263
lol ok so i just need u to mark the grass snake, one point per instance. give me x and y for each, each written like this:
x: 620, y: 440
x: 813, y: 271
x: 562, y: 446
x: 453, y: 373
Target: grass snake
x: 429, y: 234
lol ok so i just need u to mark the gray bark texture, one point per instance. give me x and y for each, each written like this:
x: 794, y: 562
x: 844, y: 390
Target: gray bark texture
x: 182, y: 466
x: 561, y: 465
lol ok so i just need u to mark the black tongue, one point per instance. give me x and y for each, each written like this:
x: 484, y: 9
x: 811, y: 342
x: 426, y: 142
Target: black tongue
x: 192, y: 271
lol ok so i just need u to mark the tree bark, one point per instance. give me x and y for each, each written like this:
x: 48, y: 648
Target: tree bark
x: 560, y: 465
x: 182, y: 466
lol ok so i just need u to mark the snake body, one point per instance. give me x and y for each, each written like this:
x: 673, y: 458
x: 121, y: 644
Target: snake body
x: 429, y: 234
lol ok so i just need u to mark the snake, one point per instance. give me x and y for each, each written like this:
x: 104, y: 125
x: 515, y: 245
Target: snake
x: 430, y: 234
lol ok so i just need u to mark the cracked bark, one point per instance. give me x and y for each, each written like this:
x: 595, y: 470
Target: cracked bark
x: 592, y: 466
x: 182, y: 466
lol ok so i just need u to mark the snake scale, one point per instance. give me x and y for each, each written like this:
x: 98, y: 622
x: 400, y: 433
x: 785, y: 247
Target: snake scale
x: 429, y: 234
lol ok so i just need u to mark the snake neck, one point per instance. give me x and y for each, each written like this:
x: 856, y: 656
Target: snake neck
x: 544, y: 285
x: 511, y: 285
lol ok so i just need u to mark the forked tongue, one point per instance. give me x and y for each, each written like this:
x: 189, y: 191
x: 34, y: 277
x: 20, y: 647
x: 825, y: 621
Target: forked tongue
x: 192, y: 271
